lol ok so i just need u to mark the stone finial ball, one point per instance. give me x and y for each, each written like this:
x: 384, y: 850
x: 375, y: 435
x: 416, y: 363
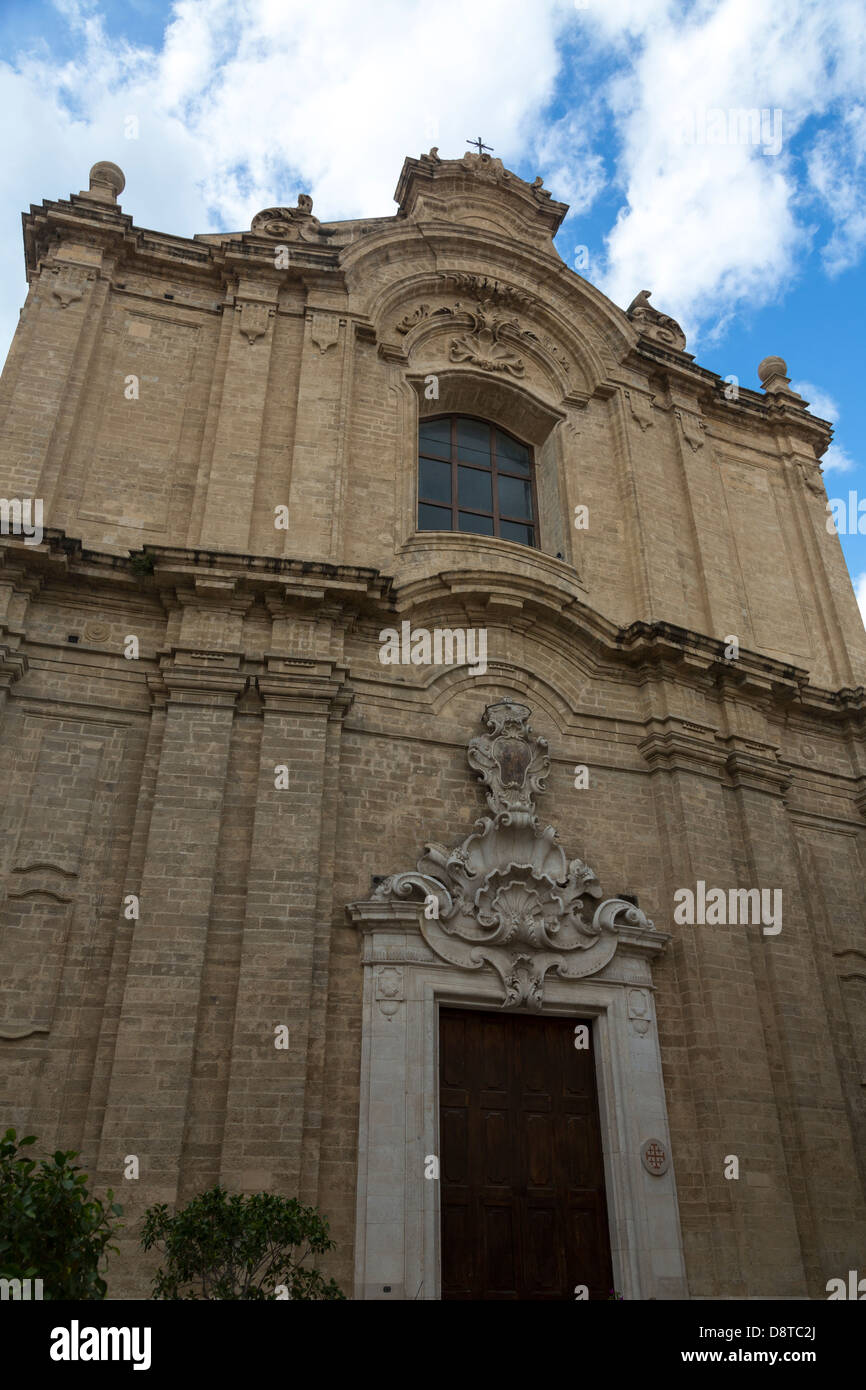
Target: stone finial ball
x: 772, y: 366
x: 108, y: 174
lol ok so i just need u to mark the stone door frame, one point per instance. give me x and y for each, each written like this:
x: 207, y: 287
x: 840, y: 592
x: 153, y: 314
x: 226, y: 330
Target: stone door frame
x: 397, y: 1243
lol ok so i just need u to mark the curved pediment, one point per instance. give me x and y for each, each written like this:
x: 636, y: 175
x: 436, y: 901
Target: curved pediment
x: 479, y: 191
x: 498, y: 325
x: 548, y: 309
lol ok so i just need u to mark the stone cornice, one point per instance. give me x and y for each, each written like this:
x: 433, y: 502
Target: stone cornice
x: 709, y: 388
x: 188, y: 680
x: 754, y: 771
x: 674, y: 749
x: 80, y: 220
x: 167, y: 571
x: 13, y: 665
x: 644, y: 645
x: 441, y: 201
x: 651, y: 650
x: 290, y: 683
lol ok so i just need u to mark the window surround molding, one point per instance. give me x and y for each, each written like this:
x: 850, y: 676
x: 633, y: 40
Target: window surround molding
x: 509, y: 406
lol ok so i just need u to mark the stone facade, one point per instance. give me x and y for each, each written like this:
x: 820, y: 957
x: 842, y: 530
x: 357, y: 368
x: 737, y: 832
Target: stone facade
x: 172, y: 402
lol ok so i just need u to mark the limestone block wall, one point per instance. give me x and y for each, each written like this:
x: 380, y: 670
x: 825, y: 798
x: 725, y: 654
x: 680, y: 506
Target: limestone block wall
x: 169, y: 391
x: 155, y: 776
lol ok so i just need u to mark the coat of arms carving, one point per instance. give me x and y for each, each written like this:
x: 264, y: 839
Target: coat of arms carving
x: 507, y: 896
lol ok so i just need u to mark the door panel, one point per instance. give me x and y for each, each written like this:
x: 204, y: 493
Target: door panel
x: 521, y: 1171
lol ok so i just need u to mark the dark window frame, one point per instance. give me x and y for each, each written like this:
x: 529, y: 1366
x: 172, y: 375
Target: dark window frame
x: 494, y: 472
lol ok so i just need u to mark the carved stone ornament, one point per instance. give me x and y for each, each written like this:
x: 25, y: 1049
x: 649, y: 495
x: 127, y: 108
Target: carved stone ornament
x: 254, y: 319
x: 641, y: 408
x: 812, y: 478
x: 483, y: 345
x: 488, y: 290
x: 693, y: 429
x: 639, y: 1014
x: 654, y: 1157
x: 291, y: 224
x: 411, y: 320
x: 324, y: 330
x: 507, y: 897
x: 486, y: 167
x: 389, y: 990
x: 653, y: 324
x: 67, y: 287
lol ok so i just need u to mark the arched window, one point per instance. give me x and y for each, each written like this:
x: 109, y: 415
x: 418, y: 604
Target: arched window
x: 472, y: 476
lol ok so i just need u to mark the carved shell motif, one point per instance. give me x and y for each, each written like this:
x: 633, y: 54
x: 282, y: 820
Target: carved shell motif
x: 483, y: 346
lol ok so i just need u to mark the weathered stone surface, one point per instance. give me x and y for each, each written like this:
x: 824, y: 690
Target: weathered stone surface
x: 167, y: 397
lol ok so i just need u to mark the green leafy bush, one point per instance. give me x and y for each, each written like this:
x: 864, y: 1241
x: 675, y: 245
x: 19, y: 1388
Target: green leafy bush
x: 239, y: 1247
x: 50, y: 1227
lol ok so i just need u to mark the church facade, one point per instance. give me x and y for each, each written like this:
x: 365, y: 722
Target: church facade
x: 433, y: 723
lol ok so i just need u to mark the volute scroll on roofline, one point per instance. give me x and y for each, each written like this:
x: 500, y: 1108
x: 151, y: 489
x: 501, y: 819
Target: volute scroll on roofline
x: 291, y: 224
x: 506, y: 896
x: 653, y: 324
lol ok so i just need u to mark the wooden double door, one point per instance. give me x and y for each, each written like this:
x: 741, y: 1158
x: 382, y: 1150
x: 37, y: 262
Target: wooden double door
x: 521, y: 1171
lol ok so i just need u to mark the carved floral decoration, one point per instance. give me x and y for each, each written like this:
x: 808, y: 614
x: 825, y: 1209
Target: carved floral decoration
x: 507, y: 896
x: 484, y: 347
x: 487, y: 290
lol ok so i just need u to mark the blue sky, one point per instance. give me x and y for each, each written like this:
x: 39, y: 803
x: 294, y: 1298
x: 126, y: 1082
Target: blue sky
x: 753, y: 237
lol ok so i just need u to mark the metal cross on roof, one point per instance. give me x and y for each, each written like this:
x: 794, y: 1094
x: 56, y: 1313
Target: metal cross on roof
x: 480, y: 143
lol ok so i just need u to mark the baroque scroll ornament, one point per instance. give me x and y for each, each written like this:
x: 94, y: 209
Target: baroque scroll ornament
x: 507, y: 896
x: 291, y: 224
x: 484, y: 346
x: 654, y: 324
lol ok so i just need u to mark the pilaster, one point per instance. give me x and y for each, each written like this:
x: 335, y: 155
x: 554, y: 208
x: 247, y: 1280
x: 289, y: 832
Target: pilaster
x: 234, y: 462
x: 150, y: 1077
x: 287, y: 906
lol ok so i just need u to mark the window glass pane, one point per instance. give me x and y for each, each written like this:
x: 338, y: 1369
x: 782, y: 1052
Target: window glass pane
x: 473, y: 441
x: 433, y: 518
x: 475, y: 489
x: 511, y: 531
x: 481, y: 525
x: 515, y: 497
x: 511, y: 456
x: 434, y: 480
x: 434, y: 437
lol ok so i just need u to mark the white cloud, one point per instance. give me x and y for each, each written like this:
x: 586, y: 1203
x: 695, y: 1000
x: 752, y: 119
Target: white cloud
x: 821, y: 403
x: 860, y: 591
x: 713, y: 227
x: 248, y: 102
x: 838, y: 460
x: 574, y: 173
x: 837, y: 170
